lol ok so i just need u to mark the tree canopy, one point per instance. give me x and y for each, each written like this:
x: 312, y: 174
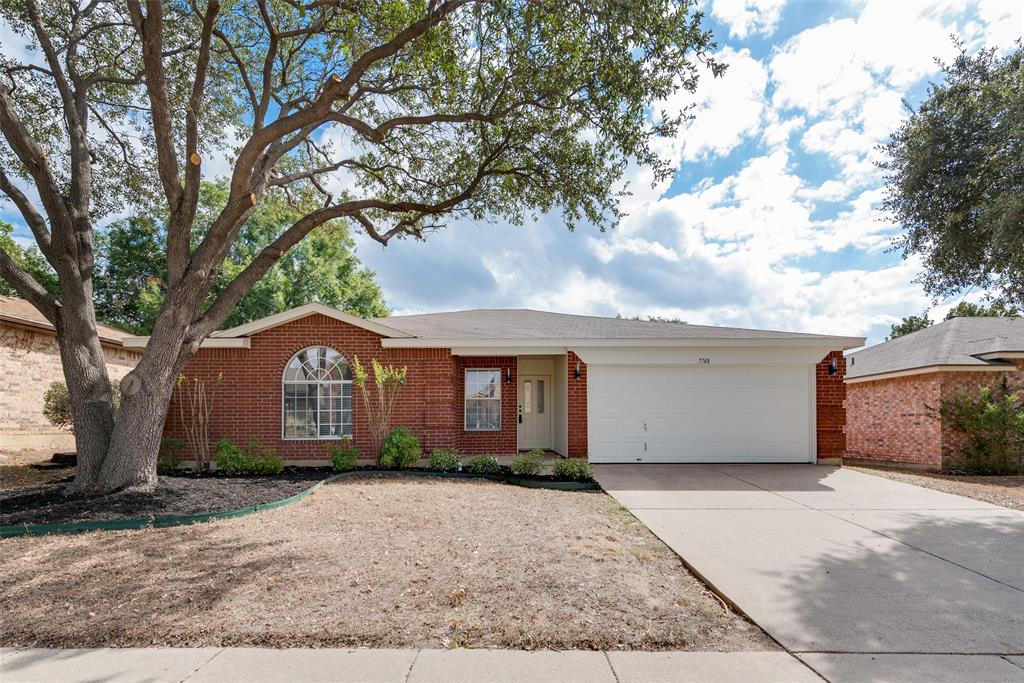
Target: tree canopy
x: 131, y: 270
x: 956, y: 178
x: 966, y: 309
x: 911, y: 323
x: 397, y: 115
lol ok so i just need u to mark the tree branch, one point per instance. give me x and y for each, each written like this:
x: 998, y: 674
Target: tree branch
x: 28, y: 288
x: 32, y: 217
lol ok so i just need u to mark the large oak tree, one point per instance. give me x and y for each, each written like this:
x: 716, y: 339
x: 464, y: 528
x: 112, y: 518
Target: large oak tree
x: 400, y: 114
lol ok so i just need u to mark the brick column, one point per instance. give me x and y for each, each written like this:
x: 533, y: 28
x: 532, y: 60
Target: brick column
x: 577, y: 406
x: 831, y: 410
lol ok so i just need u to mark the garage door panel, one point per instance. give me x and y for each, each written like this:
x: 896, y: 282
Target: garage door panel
x: 700, y: 414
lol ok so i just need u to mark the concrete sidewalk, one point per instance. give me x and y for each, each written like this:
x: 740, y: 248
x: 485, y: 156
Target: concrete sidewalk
x: 256, y: 665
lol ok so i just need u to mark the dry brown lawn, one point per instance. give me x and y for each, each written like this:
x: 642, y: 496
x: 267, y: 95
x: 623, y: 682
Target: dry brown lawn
x: 16, y: 470
x: 1007, y: 491
x: 379, y: 562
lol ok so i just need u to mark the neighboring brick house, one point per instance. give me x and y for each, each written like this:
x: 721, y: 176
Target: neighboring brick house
x: 29, y: 363
x: 500, y: 381
x: 892, y: 387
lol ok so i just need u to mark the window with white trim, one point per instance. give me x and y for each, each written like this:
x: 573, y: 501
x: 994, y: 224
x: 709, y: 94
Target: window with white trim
x: 317, y: 395
x: 483, y: 400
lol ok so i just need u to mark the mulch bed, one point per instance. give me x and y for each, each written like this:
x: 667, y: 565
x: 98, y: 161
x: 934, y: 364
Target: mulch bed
x: 178, y: 495
x: 1007, y: 491
x: 373, y: 562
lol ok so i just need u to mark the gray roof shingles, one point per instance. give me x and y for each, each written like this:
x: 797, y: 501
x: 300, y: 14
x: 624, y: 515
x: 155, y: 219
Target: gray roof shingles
x: 531, y: 324
x: 958, y: 341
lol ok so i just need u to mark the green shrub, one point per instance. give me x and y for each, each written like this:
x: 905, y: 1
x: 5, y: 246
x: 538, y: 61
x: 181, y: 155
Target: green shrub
x: 572, y: 468
x: 343, y: 455
x: 484, y: 464
x: 528, y: 463
x: 992, y: 427
x: 401, y: 449
x: 254, y: 459
x: 169, y: 457
x: 57, y: 404
x: 445, y: 460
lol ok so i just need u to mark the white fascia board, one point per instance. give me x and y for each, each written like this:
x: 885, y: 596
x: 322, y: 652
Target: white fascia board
x: 703, y: 356
x: 997, y: 355
x: 830, y: 343
x: 988, y: 367
x: 288, y: 316
x: 208, y: 343
x: 508, y: 350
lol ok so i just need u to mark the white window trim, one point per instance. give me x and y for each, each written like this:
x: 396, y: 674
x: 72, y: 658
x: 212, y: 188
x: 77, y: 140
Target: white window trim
x: 318, y: 437
x: 466, y: 399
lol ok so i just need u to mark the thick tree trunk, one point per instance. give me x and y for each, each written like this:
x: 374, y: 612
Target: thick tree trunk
x: 92, y: 408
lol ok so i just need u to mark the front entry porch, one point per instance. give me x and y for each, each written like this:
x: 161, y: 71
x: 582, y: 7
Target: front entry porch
x: 541, y: 400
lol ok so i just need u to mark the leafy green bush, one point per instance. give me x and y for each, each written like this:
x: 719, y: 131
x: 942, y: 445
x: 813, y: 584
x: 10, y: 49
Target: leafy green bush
x: 572, y: 468
x: 169, y: 457
x: 401, y: 449
x: 343, y: 455
x: 484, y: 464
x: 57, y: 404
x: 445, y: 460
x: 992, y: 426
x: 528, y: 463
x: 254, y: 459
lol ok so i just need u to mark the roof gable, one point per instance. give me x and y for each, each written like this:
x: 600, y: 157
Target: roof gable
x: 257, y: 326
x: 21, y: 312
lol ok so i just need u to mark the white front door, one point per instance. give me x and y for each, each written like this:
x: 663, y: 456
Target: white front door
x: 534, y: 411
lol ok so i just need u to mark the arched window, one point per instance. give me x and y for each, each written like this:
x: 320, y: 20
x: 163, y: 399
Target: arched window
x: 317, y: 395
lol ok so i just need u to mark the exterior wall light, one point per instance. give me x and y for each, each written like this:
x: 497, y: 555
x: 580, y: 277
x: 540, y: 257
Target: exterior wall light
x: 577, y: 373
x: 508, y: 375
x: 832, y: 367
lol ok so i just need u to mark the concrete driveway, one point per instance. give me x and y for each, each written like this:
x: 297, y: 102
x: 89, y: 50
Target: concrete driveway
x: 855, y: 574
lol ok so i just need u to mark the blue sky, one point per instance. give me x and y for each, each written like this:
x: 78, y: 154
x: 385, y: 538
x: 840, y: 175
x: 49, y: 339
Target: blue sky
x: 772, y: 219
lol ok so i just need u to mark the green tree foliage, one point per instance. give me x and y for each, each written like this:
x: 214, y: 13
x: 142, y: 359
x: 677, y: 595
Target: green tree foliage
x: 991, y: 424
x: 956, y: 178
x: 911, y: 323
x: 965, y: 309
x: 29, y: 259
x: 132, y: 267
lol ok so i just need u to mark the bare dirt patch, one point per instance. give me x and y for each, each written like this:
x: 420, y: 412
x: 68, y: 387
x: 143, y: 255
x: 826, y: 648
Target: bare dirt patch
x: 48, y: 504
x: 1006, y: 491
x: 378, y: 562
x: 16, y: 470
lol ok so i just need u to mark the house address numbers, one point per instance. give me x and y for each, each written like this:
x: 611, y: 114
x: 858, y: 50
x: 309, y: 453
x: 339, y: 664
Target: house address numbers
x: 703, y: 361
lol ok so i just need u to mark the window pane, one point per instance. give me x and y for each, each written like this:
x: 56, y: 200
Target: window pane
x: 483, y: 383
x: 527, y: 397
x: 540, y: 397
x: 483, y: 414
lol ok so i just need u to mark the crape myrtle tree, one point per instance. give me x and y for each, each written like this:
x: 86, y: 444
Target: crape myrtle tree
x: 402, y: 115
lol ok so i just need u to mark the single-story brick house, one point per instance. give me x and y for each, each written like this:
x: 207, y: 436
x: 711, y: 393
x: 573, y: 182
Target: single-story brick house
x: 501, y: 381
x: 890, y: 386
x: 29, y: 363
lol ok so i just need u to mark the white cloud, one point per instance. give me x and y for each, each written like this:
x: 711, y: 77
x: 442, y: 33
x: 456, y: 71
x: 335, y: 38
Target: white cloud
x: 744, y: 17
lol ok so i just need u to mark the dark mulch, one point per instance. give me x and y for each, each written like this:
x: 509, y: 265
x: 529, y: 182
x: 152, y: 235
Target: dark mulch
x: 178, y: 495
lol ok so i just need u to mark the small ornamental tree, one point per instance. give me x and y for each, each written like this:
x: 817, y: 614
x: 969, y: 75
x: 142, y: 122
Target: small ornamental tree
x: 379, y: 404
x: 399, y: 116
x: 196, y: 398
x: 992, y: 426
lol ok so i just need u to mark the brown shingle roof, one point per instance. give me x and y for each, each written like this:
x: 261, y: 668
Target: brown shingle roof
x: 21, y: 312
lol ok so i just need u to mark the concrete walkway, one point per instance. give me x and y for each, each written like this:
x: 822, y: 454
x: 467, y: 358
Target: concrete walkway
x: 254, y: 665
x: 857, y: 575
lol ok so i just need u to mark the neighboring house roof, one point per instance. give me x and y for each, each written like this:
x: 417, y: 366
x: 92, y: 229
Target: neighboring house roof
x: 515, y: 326
x: 956, y: 344
x: 22, y: 313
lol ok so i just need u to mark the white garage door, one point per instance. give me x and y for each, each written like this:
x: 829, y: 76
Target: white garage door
x: 752, y: 413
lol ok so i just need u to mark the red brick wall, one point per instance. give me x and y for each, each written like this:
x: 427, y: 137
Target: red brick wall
x: 248, y: 400
x: 501, y: 442
x: 888, y: 420
x: 831, y: 414
x: 971, y: 383
x: 577, y: 407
